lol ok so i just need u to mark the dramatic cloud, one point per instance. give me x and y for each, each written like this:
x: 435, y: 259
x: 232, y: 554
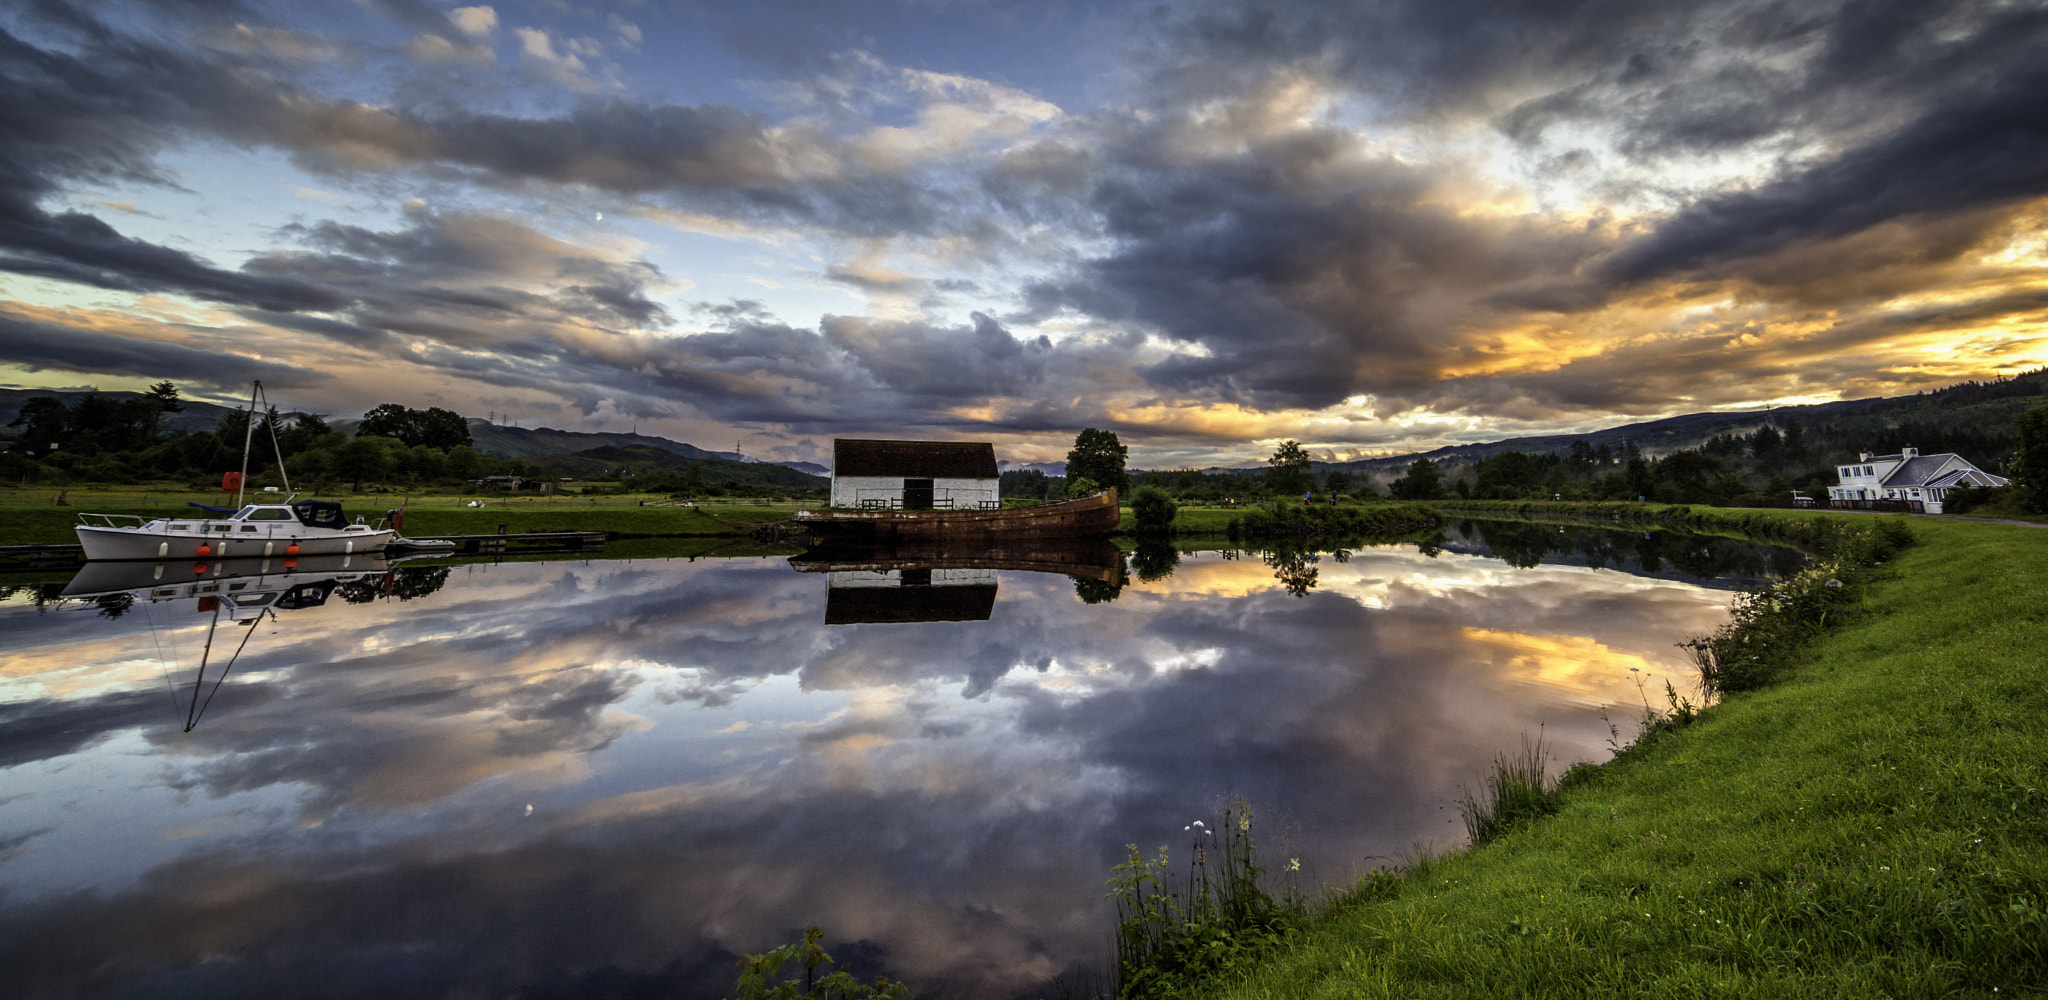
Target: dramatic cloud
x: 1355, y: 224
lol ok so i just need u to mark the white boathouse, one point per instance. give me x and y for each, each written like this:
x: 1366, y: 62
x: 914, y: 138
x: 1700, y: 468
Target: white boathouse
x: 1909, y: 475
x: 915, y: 475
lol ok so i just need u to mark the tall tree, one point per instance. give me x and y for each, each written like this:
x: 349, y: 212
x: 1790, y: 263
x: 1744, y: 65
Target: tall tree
x: 433, y: 427
x: 1422, y: 481
x: 45, y: 424
x: 1289, y: 472
x: 1098, y: 456
x: 161, y: 398
x: 2031, y: 460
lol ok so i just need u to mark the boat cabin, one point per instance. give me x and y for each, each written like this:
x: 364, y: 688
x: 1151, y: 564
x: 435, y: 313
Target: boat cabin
x: 915, y: 475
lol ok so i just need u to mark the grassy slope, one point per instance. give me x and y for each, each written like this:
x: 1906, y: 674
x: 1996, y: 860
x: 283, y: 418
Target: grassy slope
x: 1876, y: 825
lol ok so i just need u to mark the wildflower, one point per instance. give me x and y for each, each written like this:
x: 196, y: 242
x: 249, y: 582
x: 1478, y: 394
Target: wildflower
x: 1294, y: 864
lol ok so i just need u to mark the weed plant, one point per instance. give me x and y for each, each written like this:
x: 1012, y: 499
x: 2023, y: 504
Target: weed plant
x: 758, y: 972
x: 1768, y: 628
x: 1516, y: 793
x: 1217, y: 920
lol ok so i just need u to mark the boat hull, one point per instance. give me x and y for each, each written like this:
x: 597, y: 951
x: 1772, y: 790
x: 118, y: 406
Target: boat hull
x: 143, y: 543
x: 1088, y: 517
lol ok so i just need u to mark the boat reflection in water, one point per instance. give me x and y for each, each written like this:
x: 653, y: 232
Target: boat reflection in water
x: 939, y: 583
x: 243, y: 591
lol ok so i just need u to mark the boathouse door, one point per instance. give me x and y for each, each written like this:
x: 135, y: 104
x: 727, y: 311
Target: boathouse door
x: 917, y: 494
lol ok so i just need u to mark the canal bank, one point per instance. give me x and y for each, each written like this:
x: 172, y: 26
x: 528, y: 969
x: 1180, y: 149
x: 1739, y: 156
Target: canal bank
x: 1874, y: 824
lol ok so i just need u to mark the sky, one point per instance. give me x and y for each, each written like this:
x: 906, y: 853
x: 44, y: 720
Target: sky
x: 1373, y: 227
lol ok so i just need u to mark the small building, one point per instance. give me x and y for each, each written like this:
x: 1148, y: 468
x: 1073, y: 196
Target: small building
x: 915, y: 475
x: 513, y: 484
x: 1909, y: 476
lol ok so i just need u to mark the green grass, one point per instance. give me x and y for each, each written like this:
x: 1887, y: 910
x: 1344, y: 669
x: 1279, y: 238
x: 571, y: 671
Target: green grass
x: 426, y: 516
x: 1875, y: 824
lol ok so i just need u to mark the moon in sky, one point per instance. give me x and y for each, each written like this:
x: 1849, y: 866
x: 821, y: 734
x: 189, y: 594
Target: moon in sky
x: 600, y: 216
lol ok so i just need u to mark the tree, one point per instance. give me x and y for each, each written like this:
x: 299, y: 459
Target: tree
x: 1098, y: 456
x: 1154, y: 510
x: 1507, y: 475
x: 306, y: 431
x: 2030, y: 460
x: 1082, y: 486
x: 1766, y: 441
x: 1422, y: 481
x: 1336, y: 482
x: 439, y: 428
x: 45, y: 424
x: 366, y: 459
x: 433, y: 427
x: 161, y: 398
x: 1289, y: 474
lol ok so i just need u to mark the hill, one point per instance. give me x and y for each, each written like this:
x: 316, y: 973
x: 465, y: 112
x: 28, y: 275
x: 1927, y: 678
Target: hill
x: 633, y: 461
x: 196, y: 416
x: 1845, y: 426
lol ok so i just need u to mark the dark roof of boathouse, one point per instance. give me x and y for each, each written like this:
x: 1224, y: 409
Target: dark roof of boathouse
x: 914, y: 459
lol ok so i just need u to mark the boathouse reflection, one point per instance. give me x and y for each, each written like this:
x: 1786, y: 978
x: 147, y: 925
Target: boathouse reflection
x: 937, y: 583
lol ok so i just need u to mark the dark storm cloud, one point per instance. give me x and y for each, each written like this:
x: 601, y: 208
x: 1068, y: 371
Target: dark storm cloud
x: 38, y: 345
x: 1305, y: 268
x: 66, y: 118
x: 1982, y: 149
x: 1303, y: 271
x: 917, y: 359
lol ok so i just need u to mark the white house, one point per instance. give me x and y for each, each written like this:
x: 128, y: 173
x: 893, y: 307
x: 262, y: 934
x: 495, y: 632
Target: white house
x: 915, y: 475
x: 1909, y: 475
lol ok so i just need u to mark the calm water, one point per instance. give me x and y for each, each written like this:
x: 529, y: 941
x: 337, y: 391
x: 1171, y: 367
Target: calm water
x: 606, y: 777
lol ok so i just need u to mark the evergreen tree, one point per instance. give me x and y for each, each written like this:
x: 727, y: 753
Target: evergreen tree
x: 1422, y: 481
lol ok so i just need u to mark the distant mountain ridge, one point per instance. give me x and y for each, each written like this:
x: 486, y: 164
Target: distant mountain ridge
x: 196, y: 416
x: 640, y: 459
x: 1985, y: 403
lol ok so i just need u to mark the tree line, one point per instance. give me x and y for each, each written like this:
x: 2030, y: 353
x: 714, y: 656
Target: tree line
x: 106, y: 438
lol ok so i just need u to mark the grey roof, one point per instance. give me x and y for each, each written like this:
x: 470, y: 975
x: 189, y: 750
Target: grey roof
x: 1928, y: 470
x: 1975, y: 477
x: 914, y: 459
x: 1917, y: 471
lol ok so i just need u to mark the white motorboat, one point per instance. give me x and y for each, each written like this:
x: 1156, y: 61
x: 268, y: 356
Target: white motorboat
x: 305, y: 528
x: 274, y: 530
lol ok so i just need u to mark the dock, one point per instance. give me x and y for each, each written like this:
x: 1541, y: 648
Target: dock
x: 527, y: 541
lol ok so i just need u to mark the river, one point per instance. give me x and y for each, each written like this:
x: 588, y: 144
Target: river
x: 605, y: 777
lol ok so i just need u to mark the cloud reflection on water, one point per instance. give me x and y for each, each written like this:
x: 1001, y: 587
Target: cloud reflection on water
x: 710, y: 766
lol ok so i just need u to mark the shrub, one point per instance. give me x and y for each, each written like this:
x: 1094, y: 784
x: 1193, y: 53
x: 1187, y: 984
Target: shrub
x: 1154, y: 510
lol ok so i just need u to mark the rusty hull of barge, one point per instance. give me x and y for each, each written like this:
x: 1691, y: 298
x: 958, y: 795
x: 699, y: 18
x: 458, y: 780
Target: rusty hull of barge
x: 1088, y: 517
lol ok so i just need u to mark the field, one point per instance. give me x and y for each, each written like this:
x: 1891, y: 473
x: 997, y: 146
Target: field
x: 28, y: 517
x: 1876, y: 825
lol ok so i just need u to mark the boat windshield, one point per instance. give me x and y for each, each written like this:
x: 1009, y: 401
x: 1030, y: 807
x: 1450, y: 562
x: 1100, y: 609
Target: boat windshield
x: 319, y: 514
x: 255, y: 513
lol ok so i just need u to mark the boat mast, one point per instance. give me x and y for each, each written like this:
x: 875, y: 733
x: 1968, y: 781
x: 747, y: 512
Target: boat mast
x: 275, y: 449
x: 248, y: 437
